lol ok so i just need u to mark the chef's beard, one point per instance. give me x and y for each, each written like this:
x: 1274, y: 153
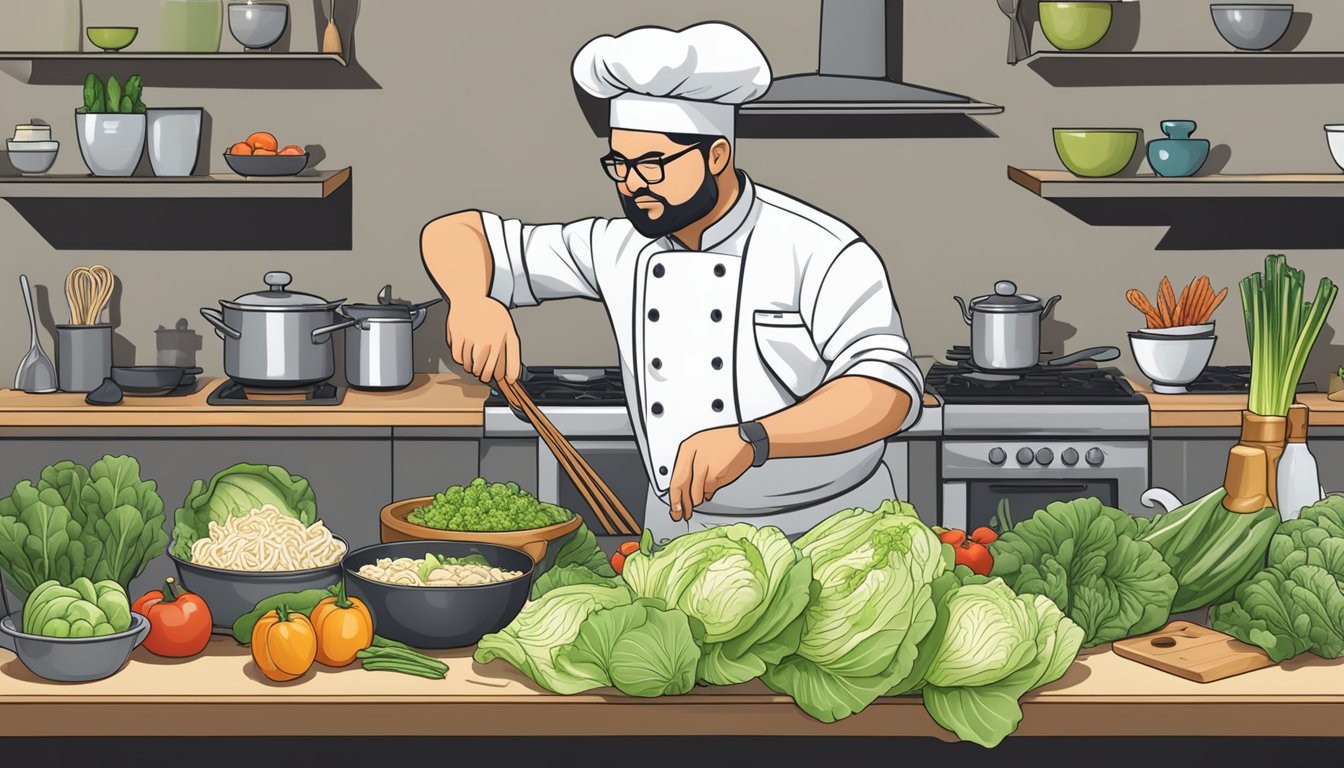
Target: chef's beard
x: 674, y: 217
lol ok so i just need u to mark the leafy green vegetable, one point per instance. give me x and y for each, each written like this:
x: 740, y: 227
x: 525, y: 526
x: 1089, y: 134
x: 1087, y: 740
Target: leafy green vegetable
x: 533, y: 640
x: 569, y: 575
x: 83, y: 609
x: 1281, y: 329
x: 747, y: 585
x: 996, y: 646
x: 1085, y: 557
x: 873, y: 605
x: 581, y: 549
x: 113, y: 97
x: 101, y: 523
x: 642, y: 649
x: 1296, y: 604
x: 484, y: 506
x: 234, y: 492
x: 432, y: 562
x: 113, y: 94
x: 1209, y: 549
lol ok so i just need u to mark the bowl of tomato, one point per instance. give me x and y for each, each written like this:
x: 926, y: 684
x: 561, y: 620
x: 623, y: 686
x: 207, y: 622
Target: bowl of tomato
x: 261, y: 155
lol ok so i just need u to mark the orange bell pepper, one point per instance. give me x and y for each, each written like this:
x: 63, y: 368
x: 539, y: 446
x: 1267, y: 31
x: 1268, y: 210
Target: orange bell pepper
x: 284, y: 644
x: 344, y: 627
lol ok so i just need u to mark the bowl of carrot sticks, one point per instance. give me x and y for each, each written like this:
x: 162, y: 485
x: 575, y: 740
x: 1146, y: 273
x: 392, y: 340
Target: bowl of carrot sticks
x: 1189, y: 315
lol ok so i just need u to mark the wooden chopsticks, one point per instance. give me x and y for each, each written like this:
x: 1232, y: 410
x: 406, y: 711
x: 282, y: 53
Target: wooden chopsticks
x: 609, y: 510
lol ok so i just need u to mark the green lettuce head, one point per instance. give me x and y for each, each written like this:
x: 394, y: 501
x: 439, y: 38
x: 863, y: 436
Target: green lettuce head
x: 994, y: 647
x: 234, y: 492
x: 746, y: 586
x: 873, y: 605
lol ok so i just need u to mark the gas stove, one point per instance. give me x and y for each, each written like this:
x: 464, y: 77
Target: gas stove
x: 580, y: 401
x: 1231, y: 380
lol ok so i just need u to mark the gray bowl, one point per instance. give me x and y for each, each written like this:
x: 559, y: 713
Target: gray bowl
x: 267, y: 165
x: 259, y: 25
x: 439, y: 617
x: 31, y: 162
x: 1252, y: 26
x: 73, y: 659
x: 230, y: 594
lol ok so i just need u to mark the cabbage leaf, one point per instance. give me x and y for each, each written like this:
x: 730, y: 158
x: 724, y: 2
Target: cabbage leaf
x: 234, y: 492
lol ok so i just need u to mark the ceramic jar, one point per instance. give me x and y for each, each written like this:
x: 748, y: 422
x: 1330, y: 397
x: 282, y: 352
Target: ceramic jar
x: 1178, y: 154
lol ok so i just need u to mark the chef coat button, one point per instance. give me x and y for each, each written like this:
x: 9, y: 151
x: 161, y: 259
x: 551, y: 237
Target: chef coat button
x: 717, y: 405
x: 657, y: 363
x: 719, y: 270
x: 653, y: 315
x: 716, y: 315
x: 659, y: 270
x: 657, y: 409
x: 662, y: 470
x: 717, y: 363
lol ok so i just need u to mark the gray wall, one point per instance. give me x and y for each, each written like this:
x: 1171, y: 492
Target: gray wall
x: 476, y: 109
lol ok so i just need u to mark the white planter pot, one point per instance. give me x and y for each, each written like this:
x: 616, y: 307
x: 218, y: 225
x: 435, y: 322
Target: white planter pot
x: 111, y: 144
x: 174, y: 140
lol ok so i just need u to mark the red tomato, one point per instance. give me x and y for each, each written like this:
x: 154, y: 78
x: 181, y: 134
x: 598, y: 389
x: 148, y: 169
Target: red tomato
x: 179, y: 621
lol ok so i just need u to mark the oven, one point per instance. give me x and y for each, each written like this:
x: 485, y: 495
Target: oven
x: 979, y: 475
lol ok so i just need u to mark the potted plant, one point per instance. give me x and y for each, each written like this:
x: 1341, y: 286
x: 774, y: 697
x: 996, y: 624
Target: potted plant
x: 111, y: 126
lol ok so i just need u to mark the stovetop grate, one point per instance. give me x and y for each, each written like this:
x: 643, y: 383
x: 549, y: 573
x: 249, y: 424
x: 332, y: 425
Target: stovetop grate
x: 557, y: 386
x: 231, y: 392
x: 963, y: 383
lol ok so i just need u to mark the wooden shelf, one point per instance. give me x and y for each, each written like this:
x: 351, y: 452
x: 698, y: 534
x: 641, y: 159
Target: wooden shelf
x: 194, y: 213
x: 1216, y: 212
x: 313, y: 184
x: 1143, y: 68
x: 259, y: 70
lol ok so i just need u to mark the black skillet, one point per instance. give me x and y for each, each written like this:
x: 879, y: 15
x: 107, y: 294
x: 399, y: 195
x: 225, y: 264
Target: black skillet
x: 153, y: 379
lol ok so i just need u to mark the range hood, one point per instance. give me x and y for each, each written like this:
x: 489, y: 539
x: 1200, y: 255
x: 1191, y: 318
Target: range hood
x: 860, y: 71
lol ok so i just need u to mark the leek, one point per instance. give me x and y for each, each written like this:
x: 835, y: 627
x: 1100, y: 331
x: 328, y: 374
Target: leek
x: 1281, y: 329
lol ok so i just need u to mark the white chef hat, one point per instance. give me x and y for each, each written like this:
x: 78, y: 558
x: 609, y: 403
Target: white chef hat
x: 674, y: 82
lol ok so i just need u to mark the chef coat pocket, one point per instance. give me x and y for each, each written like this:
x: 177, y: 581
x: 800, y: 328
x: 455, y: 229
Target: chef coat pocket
x: 785, y: 346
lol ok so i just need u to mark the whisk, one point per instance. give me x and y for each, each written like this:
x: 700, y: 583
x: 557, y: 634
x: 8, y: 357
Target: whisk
x: 88, y: 290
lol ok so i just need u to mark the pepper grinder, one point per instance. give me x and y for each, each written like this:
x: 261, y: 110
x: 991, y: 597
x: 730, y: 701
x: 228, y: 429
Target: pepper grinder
x: 1178, y: 154
x: 331, y: 40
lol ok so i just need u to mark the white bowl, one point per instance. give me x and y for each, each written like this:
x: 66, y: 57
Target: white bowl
x: 32, y: 146
x: 32, y: 133
x: 1171, y: 363
x: 1334, y: 134
x: 30, y: 161
x: 1203, y: 329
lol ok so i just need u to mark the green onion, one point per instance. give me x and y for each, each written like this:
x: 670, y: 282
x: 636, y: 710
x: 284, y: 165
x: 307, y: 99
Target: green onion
x: 1281, y: 329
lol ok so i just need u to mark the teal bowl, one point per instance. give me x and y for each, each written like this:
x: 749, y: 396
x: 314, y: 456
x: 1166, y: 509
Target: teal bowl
x: 1096, y: 152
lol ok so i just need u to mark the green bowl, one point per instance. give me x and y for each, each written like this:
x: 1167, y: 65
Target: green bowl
x: 1075, y: 26
x: 1096, y: 152
x: 112, y: 38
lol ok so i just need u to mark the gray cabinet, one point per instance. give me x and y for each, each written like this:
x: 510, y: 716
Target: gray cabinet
x: 425, y: 460
x: 1190, y: 462
x: 350, y: 469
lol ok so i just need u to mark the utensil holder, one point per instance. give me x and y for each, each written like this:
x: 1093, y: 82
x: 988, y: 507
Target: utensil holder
x: 83, y: 356
x: 1268, y: 433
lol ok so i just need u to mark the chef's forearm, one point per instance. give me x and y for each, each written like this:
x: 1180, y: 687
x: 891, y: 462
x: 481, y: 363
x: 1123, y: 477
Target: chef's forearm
x: 847, y: 413
x: 457, y: 257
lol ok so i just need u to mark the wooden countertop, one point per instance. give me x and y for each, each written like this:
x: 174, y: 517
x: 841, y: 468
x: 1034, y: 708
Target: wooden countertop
x: 221, y: 693
x: 432, y: 400
x: 1225, y: 410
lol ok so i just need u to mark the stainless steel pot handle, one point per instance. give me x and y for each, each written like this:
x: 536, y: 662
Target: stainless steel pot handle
x: 327, y: 330
x: 417, y: 318
x: 217, y: 319
x: 965, y: 310
x: 1049, y: 305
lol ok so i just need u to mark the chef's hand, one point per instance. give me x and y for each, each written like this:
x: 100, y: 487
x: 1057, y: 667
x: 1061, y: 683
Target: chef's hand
x: 706, y: 462
x: 483, y: 340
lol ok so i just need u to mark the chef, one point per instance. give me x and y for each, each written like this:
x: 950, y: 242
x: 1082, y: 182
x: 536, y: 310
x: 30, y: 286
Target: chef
x: 760, y: 344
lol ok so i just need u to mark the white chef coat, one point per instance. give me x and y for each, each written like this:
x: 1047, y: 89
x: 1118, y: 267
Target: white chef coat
x: 781, y: 299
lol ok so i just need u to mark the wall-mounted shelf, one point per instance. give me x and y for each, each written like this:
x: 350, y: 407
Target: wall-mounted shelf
x: 1216, y: 212
x: 254, y: 70
x: 1142, y: 68
x: 195, y: 213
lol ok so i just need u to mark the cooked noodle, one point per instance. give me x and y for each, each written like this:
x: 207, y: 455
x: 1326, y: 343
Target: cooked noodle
x: 266, y: 539
x: 406, y: 572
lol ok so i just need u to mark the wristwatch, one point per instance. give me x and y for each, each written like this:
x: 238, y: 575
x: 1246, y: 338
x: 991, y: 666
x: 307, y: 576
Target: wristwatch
x: 753, y: 432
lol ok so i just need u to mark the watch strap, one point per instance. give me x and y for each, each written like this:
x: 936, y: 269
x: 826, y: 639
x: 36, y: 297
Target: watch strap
x: 753, y: 432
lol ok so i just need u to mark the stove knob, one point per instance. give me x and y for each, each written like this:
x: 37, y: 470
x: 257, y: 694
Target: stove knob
x: 1070, y: 456
x: 1095, y: 457
x: 1025, y: 456
x: 997, y: 456
x: 1045, y: 457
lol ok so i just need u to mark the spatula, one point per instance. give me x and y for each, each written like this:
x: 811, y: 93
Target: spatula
x: 37, y: 374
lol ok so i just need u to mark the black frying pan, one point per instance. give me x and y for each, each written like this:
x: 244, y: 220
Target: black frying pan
x: 152, y: 379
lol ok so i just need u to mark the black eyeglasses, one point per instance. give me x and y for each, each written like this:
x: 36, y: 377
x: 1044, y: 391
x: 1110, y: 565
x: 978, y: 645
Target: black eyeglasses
x: 650, y: 168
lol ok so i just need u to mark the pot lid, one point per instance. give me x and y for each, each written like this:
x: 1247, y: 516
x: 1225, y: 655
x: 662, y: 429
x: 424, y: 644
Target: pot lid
x: 279, y: 296
x: 1006, y: 299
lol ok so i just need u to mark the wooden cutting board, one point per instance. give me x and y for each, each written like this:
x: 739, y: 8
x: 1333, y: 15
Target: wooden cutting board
x: 1193, y: 652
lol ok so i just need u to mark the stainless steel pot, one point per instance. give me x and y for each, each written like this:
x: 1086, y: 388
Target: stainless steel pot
x: 277, y: 337
x: 1005, y: 327
x: 378, y: 351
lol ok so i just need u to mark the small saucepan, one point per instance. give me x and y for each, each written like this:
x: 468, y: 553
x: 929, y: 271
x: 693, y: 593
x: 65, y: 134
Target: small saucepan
x: 389, y: 308
x: 153, y: 379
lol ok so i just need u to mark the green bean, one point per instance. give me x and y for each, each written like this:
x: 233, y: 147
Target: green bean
x: 407, y: 669
x: 426, y: 664
x: 397, y: 653
x: 382, y: 642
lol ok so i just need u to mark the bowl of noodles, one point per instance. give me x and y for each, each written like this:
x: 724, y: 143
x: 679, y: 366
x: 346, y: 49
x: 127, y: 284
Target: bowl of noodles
x: 251, y: 557
x: 439, y: 594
